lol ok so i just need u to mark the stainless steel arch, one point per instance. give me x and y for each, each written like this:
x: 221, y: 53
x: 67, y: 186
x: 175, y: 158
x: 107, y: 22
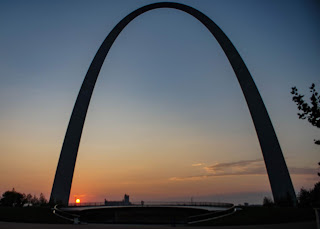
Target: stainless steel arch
x: 279, y: 177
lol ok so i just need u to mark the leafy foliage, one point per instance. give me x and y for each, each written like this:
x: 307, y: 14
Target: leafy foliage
x: 306, y: 198
x: 42, y: 200
x: 310, y: 198
x: 12, y: 198
x: 267, y: 202
x: 17, y: 199
x: 311, y: 110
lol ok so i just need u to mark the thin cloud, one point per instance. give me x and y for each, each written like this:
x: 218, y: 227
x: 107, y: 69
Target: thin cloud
x: 80, y: 195
x: 201, y: 177
x: 239, y: 165
x: 241, y: 168
x: 197, y: 164
x: 303, y: 171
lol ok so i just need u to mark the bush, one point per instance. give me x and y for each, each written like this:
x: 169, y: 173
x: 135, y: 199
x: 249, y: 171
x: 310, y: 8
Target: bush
x: 267, y: 202
x: 12, y: 198
x: 17, y: 199
x: 310, y: 198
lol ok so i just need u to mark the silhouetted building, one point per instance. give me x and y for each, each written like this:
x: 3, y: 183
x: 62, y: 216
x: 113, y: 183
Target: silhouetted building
x: 126, y: 199
x: 124, y: 202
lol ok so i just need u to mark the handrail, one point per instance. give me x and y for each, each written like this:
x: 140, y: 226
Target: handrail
x: 74, y: 218
x: 211, y: 216
x: 157, y: 203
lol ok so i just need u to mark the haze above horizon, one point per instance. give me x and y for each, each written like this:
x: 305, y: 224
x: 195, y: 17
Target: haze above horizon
x: 167, y: 120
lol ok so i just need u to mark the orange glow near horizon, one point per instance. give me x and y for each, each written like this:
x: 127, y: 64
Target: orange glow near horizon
x: 78, y: 201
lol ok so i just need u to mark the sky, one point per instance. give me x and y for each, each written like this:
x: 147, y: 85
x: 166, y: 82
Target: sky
x: 167, y: 120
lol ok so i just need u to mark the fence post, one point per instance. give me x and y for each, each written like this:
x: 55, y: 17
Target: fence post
x: 317, y: 210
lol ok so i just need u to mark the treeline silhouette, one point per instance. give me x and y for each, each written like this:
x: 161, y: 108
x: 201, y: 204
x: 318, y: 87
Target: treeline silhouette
x: 306, y: 197
x: 16, y: 199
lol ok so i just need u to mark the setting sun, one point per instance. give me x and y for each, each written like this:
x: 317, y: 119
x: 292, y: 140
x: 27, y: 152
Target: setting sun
x: 167, y: 119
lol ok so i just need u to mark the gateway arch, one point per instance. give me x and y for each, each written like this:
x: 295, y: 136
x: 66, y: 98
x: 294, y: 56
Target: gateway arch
x: 277, y: 170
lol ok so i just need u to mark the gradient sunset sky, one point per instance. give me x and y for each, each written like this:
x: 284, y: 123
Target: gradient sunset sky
x: 167, y: 119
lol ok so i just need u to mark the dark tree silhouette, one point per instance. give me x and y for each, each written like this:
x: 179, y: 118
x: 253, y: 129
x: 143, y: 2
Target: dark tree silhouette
x: 309, y: 111
x: 310, y: 198
x: 17, y: 199
x: 42, y: 200
x: 35, y: 201
x: 28, y: 198
x: 267, y: 202
x: 12, y: 198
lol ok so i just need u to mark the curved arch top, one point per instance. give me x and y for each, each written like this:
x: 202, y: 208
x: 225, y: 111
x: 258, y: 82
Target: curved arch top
x: 277, y: 170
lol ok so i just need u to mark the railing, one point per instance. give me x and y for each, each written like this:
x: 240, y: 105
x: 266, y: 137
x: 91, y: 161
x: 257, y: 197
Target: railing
x: 88, y: 204
x: 211, y: 216
x: 156, y: 203
x: 65, y: 215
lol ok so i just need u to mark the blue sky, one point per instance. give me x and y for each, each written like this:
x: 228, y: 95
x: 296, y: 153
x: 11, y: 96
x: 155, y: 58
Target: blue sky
x: 166, y: 97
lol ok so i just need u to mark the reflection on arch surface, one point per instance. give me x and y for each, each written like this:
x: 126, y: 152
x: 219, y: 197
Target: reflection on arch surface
x: 279, y: 177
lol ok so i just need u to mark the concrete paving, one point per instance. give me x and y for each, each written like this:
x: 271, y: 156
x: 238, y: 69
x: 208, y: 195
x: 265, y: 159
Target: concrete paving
x: 10, y: 225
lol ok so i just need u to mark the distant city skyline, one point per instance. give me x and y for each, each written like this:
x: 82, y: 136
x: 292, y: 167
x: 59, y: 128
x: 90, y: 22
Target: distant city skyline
x: 164, y: 123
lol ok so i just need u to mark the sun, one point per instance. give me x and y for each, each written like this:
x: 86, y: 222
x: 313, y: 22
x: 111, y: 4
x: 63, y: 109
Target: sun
x: 78, y: 201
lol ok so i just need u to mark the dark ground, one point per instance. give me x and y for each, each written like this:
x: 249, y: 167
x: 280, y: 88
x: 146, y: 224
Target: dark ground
x: 10, y: 225
x: 247, y: 216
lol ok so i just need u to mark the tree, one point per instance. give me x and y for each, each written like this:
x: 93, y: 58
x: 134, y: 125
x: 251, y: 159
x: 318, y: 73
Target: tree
x: 316, y: 195
x: 311, y: 110
x: 267, y: 202
x: 16, y: 199
x: 304, y: 198
x: 35, y: 201
x: 310, y: 198
x: 28, y: 198
x: 42, y: 200
x: 12, y: 198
